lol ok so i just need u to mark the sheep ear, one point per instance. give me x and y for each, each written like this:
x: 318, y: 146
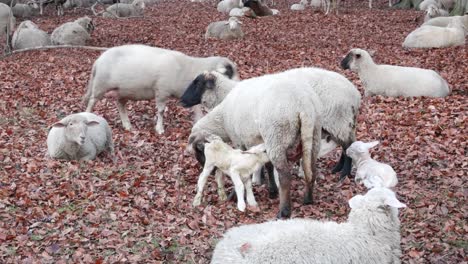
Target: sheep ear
x: 256, y: 149
x: 371, y: 52
x: 59, y: 124
x: 92, y: 123
x: 371, y: 144
x: 226, y: 23
x: 356, y: 201
x: 393, y: 202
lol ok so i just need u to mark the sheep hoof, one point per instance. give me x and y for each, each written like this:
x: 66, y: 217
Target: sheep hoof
x: 284, y: 213
x: 127, y: 127
x: 159, y: 130
x: 241, y: 207
x: 196, y: 201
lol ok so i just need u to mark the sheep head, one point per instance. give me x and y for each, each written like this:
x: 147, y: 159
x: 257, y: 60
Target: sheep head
x: 377, y: 197
x: 355, y: 59
x: 86, y: 23
x: 234, y: 23
x: 76, y: 128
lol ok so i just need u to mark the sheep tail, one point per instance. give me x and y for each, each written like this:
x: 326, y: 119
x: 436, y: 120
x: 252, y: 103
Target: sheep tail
x: 87, y: 95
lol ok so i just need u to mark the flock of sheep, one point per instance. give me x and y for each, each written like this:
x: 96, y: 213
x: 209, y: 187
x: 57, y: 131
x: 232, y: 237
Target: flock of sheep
x: 270, y: 121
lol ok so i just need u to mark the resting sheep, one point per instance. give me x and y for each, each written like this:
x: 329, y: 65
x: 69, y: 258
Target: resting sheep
x: 225, y: 6
x: 136, y: 8
x: 240, y: 12
x: 390, y: 80
x: 7, y: 25
x: 341, y: 101
x: 239, y: 165
x: 138, y: 72
x: 300, y: 6
x: 226, y: 30
x: 369, y: 171
x: 25, y: 10
x: 370, y: 235
x: 445, y: 21
x: 73, y: 33
x: 80, y: 136
x: 437, y: 37
x: 28, y: 35
x: 433, y: 11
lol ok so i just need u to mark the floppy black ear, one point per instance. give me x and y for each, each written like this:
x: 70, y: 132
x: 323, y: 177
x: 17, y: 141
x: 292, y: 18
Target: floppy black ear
x: 346, y: 61
x: 199, y: 148
x: 194, y: 92
x: 229, y: 71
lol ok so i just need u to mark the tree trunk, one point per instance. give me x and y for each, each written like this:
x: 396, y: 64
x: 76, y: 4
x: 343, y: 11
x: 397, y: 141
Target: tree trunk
x: 461, y: 6
x: 408, y: 4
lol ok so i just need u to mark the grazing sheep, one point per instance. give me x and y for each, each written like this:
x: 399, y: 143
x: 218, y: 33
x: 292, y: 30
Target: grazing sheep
x: 370, y: 235
x: 136, y: 8
x: 433, y: 11
x: 369, y: 171
x: 225, y: 30
x: 225, y: 6
x: 25, y: 10
x: 80, y: 136
x: 272, y: 110
x: 138, y: 72
x: 445, y: 21
x: 7, y: 24
x: 239, y: 165
x: 341, y: 101
x: 437, y: 37
x: 300, y: 6
x: 28, y: 35
x: 259, y: 8
x: 390, y: 80
x: 73, y: 33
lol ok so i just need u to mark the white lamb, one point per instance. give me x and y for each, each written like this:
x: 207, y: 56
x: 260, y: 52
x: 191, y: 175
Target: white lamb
x: 433, y: 11
x: 445, y: 21
x: 239, y: 165
x: 300, y: 6
x: 136, y: 8
x: 28, y: 35
x: 80, y: 136
x: 73, y: 33
x: 369, y: 171
x: 437, y: 37
x: 138, y: 72
x: 225, y: 6
x: 225, y: 30
x: 370, y: 235
x: 390, y: 80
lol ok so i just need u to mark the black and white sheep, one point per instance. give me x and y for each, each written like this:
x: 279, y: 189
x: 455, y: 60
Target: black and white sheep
x: 28, y: 35
x: 226, y: 30
x: 391, y: 80
x: 437, y: 37
x: 7, y: 24
x: 77, y: 32
x: 136, y: 8
x: 139, y: 72
x: 80, y: 136
x: 259, y: 8
x: 340, y: 98
x: 370, y: 235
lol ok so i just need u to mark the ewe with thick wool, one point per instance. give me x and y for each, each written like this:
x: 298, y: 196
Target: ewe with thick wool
x: 390, y: 80
x: 139, y: 72
x: 73, y: 33
x: 80, y: 136
x: 238, y: 165
x: 7, y: 24
x: 225, y: 6
x: 370, y: 235
x: 28, y: 35
x: 136, y: 8
x: 369, y: 171
x: 276, y: 113
x: 437, y: 37
x: 340, y: 99
x: 226, y: 30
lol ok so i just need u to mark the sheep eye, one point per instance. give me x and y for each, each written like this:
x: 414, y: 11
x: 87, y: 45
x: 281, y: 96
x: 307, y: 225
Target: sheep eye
x: 358, y: 56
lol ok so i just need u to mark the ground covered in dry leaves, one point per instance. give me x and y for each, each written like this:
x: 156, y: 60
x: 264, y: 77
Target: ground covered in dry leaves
x: 139, y: 209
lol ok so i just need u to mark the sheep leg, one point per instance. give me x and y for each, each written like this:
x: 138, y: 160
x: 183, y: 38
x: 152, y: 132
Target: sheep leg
x: 239, y: 186
x: 272, y: 186
x: 346, y: 168
x: 201, y: 184
x: 220, y: 181
x: 122, y: 112
x: 249, y: 192
x: 257, y: 177
x: 285, y: 195
x: 159, y: 118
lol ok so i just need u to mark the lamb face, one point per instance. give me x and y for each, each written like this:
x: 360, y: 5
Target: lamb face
x: 354, y: 59
x: 76, y: 129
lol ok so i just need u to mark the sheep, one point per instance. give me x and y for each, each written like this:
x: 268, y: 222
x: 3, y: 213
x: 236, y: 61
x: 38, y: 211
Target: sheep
x: 240, y: 12
x: 259, y: 8
x: 445, y: 21
x: 277, y: 113
x: 139, y: 72
x: 369, y: 171
x: 136, y: 8
x: 225, y: 6
x: 370, y: 235
x: 80, y: 136
x: 239, y: 165
x: 78, y: 3
x: 7, y: 24
x: 73, y: 33
x: 300, y: 6
x: 59, y: 6
x: 28, y: 35
x: 391, y: 80
x: 25, y: 10
x: 433, y: 11
x: 437, y: 37
x: 339, y: 96
x: 225, y: 30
